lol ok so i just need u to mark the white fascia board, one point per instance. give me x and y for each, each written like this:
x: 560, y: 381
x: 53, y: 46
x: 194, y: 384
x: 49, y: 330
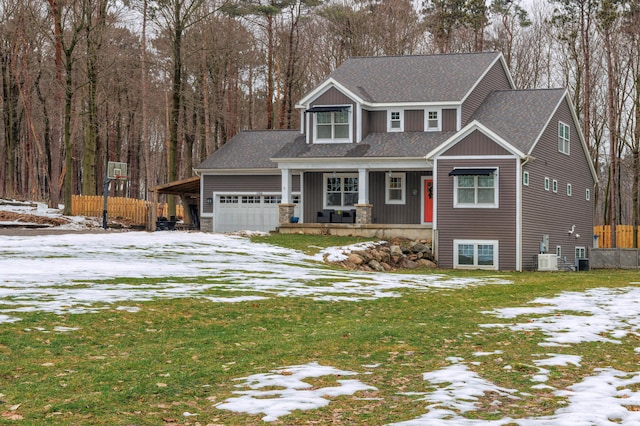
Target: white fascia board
x: 466, y: 131
x: 327, y: 84
x: 372, y: 106
x: 332, y: 164
x: 500, y: 58
x: 216, y: 172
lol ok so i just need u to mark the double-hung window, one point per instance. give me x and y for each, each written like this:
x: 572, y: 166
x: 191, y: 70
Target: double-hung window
x: 395, y: 184
x: 333, y: 126
x: 475, y: 188
x: 340, y: 190
x: 563, y: 137
x: 432, y: 122
x: 395, y: 121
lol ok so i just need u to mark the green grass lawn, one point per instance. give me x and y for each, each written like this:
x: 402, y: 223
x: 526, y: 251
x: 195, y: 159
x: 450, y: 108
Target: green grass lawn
x: 182, y: 355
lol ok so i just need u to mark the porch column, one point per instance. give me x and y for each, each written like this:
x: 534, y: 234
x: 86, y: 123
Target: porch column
x: 286, y: 186
x: 363, y: 208
x: 363, y: 186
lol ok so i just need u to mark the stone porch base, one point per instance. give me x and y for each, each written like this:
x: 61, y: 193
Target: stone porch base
x: 415, y: 232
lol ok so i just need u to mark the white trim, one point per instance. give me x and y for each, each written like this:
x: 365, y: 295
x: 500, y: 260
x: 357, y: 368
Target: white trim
x: 476, y: 205
x: 477, y: 157
x: 363, y: 186
x: 468, y: 129
x: 400, y: 113
x: 587, y: 194
x: 519, y: 174
x: 575, y: 252
x: 342, y: 163
x: 435, y: 197
x: 403, y: 189
x: 358, y: 123
x: 333, y: 140
x: 438, y: 127
x: 569, y: 190
x: 325, y: 176
x: 475, y: 243
x: 423, y: 197
x: 568, y: 139
x: 505, y: 68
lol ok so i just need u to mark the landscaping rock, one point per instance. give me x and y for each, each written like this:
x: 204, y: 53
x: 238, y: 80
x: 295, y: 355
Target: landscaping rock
x: 391, y: 256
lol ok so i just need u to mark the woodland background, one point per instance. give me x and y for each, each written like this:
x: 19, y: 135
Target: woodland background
x: 161, y: 84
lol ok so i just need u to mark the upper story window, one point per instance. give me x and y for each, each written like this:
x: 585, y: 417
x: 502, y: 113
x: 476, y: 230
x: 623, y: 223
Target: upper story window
x: 433, y: 120
x: 475, y: 188
x: 332, y: 124
x: 395, y: 121
x: 563, y: 137
x: 525, y: 178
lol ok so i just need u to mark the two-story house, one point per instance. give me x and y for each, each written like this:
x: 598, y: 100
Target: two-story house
x: 441, y: 147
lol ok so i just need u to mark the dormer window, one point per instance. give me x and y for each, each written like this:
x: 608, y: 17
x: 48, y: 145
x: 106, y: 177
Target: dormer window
x: 433, y: 120
x: 332, y: 123
x: 395, y: 121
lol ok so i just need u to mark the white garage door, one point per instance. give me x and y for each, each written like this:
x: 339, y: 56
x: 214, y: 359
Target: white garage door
x: 246, y: 213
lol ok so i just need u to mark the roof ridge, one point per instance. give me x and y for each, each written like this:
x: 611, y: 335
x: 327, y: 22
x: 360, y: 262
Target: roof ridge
x: 423, y: 55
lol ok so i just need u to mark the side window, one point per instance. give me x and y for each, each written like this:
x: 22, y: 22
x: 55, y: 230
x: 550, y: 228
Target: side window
x: 475, y: 190
x: 587, y: 194
x: 569, y: 190
x: 525, y: 178
x: 546, y: 183
x: 555, y: 185
x: 563, y: 137
x: 475, y: 254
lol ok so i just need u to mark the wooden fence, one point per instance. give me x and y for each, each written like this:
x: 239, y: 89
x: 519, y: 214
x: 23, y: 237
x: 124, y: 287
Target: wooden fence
x: 130, y: 209
x: 624, y: 236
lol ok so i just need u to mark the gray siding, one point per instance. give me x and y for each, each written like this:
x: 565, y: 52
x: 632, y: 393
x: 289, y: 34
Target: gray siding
x: 545, y: 212
x: 409, y: 213
x: 477, y: 224
x: 335, y: 97
x: 243, y: 183
x: 477, y: 143
x: 414, y: 120
x: 449, y: 120
x: 366, y: 118
x: 495, y: 79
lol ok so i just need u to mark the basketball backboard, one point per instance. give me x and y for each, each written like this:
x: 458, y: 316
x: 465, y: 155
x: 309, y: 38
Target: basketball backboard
x: 116, y: 170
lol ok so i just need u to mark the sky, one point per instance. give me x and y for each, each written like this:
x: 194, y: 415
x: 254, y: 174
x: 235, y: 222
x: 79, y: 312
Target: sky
x: 61, y: 274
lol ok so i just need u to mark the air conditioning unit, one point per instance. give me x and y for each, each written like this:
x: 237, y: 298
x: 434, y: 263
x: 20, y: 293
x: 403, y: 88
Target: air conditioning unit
x: 547, y: 262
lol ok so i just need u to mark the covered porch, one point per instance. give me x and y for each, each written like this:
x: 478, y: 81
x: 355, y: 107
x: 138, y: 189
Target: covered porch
x: 380, y: 231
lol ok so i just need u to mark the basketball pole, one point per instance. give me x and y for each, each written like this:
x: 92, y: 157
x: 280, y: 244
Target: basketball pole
x: 105, y: 191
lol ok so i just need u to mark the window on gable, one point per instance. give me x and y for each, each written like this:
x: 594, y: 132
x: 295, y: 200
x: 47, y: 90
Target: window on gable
x: 525, y: 178
x: 587, y: 194
x: 395, y: 184
x: 563, y: 137
x: 546, y: 183
x: 475, y: 254
x: 555, y: 186
x: 475, y: 190
x: 340, y: 190
x: 396, y: 122
x: 333, y: 126
x: 569, y: 190
x: 432, y: 121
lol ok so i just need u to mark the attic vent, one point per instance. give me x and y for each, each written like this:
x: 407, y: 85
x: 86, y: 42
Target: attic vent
x: 327, y: 109
x: 471, y: 172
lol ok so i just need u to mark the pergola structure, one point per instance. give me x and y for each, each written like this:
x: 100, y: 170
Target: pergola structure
x: 189, y: 192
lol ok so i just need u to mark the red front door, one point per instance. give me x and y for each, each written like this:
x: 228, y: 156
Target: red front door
x: 427, y: 195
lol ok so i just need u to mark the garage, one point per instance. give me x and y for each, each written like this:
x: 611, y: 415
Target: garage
x: 247, y: 212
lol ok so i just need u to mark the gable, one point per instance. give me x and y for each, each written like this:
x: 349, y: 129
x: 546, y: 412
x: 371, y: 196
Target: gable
x: 476, y: 143
x: 332, y: 96
x: 497, y: 78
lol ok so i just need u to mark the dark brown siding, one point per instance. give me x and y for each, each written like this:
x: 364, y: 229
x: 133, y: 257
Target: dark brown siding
x: 243, y: 183
x: 545, y: 212
x: 477, y: 224
x: 414, y: 120
x: 495, y: 79
x: 449, y: 120
x: 477, y: 143
x: 335, y: 97
x: 408, y: 213
x: 378, y: 121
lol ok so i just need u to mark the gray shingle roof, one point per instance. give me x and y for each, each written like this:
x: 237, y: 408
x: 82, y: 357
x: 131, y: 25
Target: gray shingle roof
x: 250, y: 150
x: 375, y: 145
x: 519, y: 116
x: 424, y: 78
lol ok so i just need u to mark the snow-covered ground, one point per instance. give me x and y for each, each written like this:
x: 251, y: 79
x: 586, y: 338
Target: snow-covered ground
x: 65, y: 273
